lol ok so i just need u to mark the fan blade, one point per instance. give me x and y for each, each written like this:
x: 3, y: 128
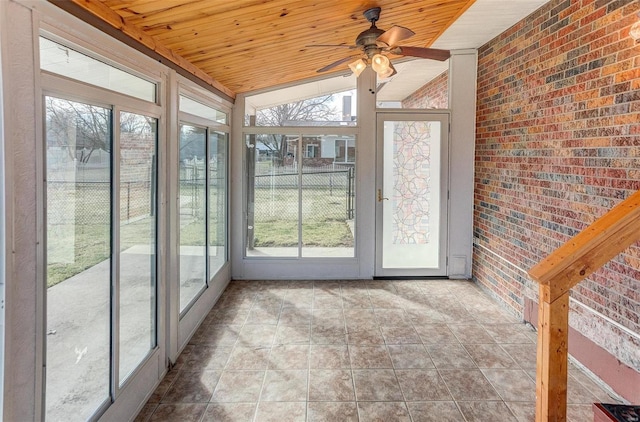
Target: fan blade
x: 425, y: 53
x: 336, y: 63
x: 395, y: 34
x: 351, y: 47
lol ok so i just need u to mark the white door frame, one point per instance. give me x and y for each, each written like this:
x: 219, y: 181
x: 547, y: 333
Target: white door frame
x: 442, y: 116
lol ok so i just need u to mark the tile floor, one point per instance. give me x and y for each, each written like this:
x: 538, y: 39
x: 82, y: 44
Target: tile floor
x: 427, y: 350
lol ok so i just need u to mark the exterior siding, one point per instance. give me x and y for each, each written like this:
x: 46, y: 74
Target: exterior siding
x: 557, y: 146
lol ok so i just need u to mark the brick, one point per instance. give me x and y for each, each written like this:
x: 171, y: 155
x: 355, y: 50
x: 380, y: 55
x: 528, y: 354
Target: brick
x: 557, y: 146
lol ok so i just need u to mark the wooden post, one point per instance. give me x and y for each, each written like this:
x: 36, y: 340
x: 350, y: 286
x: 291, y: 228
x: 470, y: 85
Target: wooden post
x: 551, y: 369
x: 557, y: 274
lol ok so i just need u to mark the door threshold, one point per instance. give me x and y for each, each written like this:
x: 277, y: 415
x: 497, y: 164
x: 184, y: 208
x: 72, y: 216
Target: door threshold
x: 409, y: 277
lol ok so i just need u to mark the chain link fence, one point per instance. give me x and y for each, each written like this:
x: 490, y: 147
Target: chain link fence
x: 89, y: 203
x: 327, y: 194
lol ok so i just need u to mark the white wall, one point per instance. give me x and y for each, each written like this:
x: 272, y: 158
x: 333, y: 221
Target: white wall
x: 462, y: 102
x: 22, y: 364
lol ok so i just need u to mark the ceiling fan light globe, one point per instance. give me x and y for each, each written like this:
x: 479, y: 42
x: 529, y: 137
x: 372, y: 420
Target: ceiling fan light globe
x: 386, y: 73
x: 357, y: 67
x: 380, y: 64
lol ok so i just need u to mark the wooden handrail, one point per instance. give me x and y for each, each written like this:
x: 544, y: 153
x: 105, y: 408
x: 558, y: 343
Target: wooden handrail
x: 557, y: 274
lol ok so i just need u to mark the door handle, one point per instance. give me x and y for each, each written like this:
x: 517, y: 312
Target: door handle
x: 380, y: 198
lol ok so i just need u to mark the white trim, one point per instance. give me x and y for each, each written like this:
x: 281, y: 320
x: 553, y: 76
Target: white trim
x: 462, y: 102
x: 443, y: 117
x: 481, y: 246
x: 3, y: 222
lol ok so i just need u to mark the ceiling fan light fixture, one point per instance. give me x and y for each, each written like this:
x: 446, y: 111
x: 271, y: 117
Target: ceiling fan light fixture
x: 380, y: 64
x: 387, y: 73
x: 357, y: 67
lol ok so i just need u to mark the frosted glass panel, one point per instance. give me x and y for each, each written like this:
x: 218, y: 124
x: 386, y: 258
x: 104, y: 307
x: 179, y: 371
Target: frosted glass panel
x: 411, y: 185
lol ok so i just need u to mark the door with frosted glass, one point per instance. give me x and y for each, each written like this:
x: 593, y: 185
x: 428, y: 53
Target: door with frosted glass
x: 411, y: 194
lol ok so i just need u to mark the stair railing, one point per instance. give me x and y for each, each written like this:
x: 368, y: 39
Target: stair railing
x: 556, y: 275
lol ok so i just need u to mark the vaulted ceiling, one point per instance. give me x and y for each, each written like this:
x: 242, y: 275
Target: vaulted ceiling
x: 246, y: 45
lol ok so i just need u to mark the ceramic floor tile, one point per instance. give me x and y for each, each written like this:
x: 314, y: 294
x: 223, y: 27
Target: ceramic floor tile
x: 579, y: 412
x: 146, y: 412
x: 434, y: 411
x: 285, y: 386
x: 450, y: 355
x: 523, y: 411
x: 229, y: 412
x: 249, y: 358
x: 192, y: 387
x: 509, y: 333
x: 523, y: 354
x: 596, y: 389
x: 383, y: 411
x: 188, y: 412
x: 367, y: 357
x: 203, y: 357
x: 256, y: 335
x: 329, y: 357
x: 422, y: 385
x: 392, y: 318
x: 511, y: 384
x: 293, y: 334
x: 328, y: 334
x: 356, y: 301
x: 327, y: 301
x: 239, y: 386
x: 305, y: 350
x: 578, y: 393
x: 295, y: 316
x: 400, y: 335
x: 330, y: 385
x: 289, y: 357
x: 376, y: 385
x: 164, y: 386
x: 483, y: 411
x: 365, y: 336
x: 490, y: 356
x: 221, y: 335
x: 407, y: 356
x: 436, y: 334
x: 466, y: 384
x: 281, y: 412
x: 471, y: 333
x: 265, y: 316
x: 332, y: 411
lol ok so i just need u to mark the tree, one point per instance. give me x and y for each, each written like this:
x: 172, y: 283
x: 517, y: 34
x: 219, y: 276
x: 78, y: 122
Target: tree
x: 309, y: 111
x: 78, y: 127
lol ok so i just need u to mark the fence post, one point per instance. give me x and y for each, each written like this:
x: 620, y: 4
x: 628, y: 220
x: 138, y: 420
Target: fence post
x: 251, y: 186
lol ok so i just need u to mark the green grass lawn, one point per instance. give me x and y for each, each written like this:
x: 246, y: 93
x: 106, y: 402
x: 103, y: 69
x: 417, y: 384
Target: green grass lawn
x: 78, y: 236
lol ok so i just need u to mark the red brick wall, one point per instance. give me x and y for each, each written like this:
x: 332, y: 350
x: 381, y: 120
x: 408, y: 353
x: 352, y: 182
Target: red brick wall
x: 558, y: 145
x: 434, y: 94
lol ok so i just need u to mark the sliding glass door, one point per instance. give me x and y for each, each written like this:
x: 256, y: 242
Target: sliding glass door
x: 202, y: 197
x: 79, y: 214
x: 101, y: 252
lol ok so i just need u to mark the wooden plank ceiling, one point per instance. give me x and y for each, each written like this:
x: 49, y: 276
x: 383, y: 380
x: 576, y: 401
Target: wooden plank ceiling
x: 247, y: 45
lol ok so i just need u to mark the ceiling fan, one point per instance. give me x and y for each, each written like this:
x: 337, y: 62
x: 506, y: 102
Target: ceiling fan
x: 377, y: 43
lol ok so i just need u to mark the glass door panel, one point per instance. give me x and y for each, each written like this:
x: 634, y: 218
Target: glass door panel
x: 193, y: 207
x: 78, y: 238
x: 328, y: 196
x: 137, y: 298
x: 411, y: 196
x: 217, y: 201
x: 273, y: 196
